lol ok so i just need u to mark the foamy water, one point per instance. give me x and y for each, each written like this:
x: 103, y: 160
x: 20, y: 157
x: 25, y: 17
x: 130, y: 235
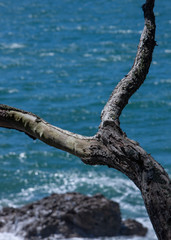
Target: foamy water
x: 9, y: 236
x: 61, y: 182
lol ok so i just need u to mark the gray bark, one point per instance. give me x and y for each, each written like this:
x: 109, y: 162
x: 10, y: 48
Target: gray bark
x: 110, y: 146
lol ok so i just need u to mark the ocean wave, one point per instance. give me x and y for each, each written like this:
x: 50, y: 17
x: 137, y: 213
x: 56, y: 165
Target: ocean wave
x: 47, y: 54
x: 12, y: 46
x: 112, y: 58
x: 11, y: 236
x: 163, y: 81
x: 167, y: 50
x: 120, y: 189
x: 115, y: 187
x: 7, y: 90
x: 125, y: 31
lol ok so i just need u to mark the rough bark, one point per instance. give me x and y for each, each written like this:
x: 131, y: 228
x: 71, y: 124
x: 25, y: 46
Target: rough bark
x: 133, y: 80
x: 110, y: 146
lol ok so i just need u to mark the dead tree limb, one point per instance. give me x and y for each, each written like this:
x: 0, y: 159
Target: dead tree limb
x: 110, y: 146
x: 135, y: 78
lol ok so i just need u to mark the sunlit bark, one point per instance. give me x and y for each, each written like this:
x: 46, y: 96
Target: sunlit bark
x: 110, y: 146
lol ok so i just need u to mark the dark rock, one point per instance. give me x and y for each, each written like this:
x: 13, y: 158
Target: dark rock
x: 69, y: 215
x: 131, y: 227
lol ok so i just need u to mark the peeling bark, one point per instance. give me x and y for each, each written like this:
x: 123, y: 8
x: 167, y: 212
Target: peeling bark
x: 110, y: 146
x: 37, y: 128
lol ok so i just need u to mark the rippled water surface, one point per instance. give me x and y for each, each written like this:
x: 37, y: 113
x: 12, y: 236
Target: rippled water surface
x: 61, y: 60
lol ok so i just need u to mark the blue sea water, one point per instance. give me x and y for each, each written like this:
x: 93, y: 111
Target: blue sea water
x: 61, y: 60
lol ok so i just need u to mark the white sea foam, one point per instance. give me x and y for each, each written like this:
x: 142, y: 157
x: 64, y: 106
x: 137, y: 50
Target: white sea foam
x: 167, y: 50
x: 163, y: 81
x: 14, y: 90
x: 9, y: 236
x: 13, y: 45
x: 87, y: 55
x: 61, y: 182
x: 47, y: 54
x: 154, y: 62
x: 124, y: 31
x: 22, y: 157
x: 58, y: 237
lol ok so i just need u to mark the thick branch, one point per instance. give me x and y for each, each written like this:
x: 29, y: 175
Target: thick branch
x: 110, y: 146
x: 37, y: 128
x: 148, y: 175
x: 133, y: 80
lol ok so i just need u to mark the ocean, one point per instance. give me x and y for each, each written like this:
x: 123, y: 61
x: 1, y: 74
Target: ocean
x: 61, y: 61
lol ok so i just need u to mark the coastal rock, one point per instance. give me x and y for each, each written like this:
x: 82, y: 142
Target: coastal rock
x: 68, y: 215
x: 131, y: 227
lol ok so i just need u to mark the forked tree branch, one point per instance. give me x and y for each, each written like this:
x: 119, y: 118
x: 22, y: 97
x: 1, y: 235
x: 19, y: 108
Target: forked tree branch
x: 110, y: 146
x: 135, y: 78
x: 36, y: 127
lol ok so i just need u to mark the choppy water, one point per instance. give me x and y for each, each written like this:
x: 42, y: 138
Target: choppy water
x: 61, y: 60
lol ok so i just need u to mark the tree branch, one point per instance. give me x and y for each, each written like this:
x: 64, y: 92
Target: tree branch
x: 37, y: 128
x: 133, y: 80
x: 110, y: 146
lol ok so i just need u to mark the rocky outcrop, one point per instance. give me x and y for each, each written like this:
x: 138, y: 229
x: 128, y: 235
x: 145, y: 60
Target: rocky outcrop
x: 131, y: 227
x: 68, y: 215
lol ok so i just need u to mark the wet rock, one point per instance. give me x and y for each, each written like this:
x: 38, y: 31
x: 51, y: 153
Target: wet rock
x: 68, y: 215
x: 131, y: 227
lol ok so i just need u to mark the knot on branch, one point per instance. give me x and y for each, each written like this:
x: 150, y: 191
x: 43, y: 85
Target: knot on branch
x: 3, y: 114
